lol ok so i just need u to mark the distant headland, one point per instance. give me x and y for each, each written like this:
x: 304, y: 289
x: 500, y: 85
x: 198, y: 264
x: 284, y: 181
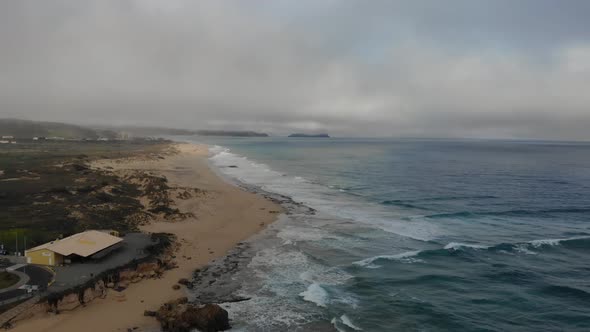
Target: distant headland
x: 310, y: 135
x: 231, y: 133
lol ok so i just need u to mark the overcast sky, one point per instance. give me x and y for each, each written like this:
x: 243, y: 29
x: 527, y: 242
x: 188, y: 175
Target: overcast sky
x: 457, y: 68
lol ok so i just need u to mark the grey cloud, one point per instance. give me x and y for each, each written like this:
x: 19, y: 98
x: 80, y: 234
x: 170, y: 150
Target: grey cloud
x: 414, y: 68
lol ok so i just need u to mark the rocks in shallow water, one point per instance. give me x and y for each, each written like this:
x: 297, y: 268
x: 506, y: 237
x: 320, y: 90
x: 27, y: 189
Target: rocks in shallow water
x: 209, y: 318
x: 186, y: 283
x: 215, y: 283
x: 181, y: 316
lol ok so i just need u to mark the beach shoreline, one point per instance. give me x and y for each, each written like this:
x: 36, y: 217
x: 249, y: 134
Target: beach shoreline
x: 220, y: 216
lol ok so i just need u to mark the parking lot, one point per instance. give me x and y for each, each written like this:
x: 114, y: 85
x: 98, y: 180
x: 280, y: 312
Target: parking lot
x: 133, y: 247
x: 68, y: 276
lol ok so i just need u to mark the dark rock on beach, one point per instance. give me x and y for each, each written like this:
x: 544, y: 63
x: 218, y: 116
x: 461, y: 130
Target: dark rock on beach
x: 181, y: 316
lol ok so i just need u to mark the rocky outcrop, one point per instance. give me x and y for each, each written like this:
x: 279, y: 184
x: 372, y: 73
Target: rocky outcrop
x: 181, y: 316
x: 146, y: 268
x: 118, y: 280
x: 149, y: 270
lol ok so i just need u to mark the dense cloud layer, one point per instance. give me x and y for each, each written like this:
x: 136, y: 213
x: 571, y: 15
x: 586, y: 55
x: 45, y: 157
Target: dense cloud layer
x: 363, y: 68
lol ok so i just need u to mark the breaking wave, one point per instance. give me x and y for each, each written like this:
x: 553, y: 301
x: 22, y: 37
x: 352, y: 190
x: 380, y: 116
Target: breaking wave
x: 316, y: 294
x: 509, y: 213
x: 344, y: 320
x: 405, y: 256
x: 530, y: 248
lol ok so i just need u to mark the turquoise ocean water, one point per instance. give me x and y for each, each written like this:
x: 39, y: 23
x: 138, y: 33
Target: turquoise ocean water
x: 417, y: 235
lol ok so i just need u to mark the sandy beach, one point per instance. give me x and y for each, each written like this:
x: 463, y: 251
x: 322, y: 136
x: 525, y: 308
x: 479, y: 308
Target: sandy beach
x: 223, y: 216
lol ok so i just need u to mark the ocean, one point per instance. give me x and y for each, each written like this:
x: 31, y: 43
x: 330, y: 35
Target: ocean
x: 414, y: 234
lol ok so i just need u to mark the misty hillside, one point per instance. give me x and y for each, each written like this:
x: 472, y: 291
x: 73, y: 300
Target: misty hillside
x: 159, y: 131
x: 29, y: 129
x: 152, y: 131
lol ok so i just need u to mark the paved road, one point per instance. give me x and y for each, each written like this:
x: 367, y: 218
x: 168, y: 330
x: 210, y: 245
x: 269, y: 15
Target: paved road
x: 23, y: 279
x: 37, y: 276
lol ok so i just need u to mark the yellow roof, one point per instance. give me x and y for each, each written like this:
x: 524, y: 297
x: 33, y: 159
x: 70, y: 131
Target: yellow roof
x: 82, y: 244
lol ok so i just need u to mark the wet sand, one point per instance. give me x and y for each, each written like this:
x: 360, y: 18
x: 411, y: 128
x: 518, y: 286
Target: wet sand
x: 224, y: 216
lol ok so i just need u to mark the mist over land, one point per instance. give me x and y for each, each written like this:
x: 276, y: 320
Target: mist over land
x: 350, y: 68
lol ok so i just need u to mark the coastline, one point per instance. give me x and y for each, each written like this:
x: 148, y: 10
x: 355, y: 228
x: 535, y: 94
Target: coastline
x: 222, y: 216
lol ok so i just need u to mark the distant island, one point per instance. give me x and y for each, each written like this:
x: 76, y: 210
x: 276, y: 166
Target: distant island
x: 230, y: 133
x: 310, y: 135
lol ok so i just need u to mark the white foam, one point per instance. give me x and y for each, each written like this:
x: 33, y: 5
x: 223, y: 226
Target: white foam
x: 294, y: 266
x: 349, y: 323
x: 276, y: 303
x: 335, y: 322
x: 216, y: 149
x: 545, y: 242
x: 522, y: 248
x: 322, y: 198
x: 329, y: 276
x: 459, y: 246
x: 345, y: 298
x: 316, y: 294
x: 296, y: 234
x: 267, y: 313
x: 555, y: 242
x: 406, y: 257
x: 280, y: 265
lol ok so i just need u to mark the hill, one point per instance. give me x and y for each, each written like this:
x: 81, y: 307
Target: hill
x: 231, y: 133
x: 29, y: 129
x: 152, y: 131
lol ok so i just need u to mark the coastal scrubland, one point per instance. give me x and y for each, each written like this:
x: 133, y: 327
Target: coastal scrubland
x: 181, y: 196
x: 48, y: 189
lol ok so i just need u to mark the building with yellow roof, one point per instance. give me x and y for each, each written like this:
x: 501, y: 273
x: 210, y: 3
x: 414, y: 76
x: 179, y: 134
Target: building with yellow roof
x: 90, y: 244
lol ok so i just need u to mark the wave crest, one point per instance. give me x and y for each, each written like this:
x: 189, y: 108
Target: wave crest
x: 528, y: 248
x: 316, y: 294
x: 404, y: 256
x: 459, y: 246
